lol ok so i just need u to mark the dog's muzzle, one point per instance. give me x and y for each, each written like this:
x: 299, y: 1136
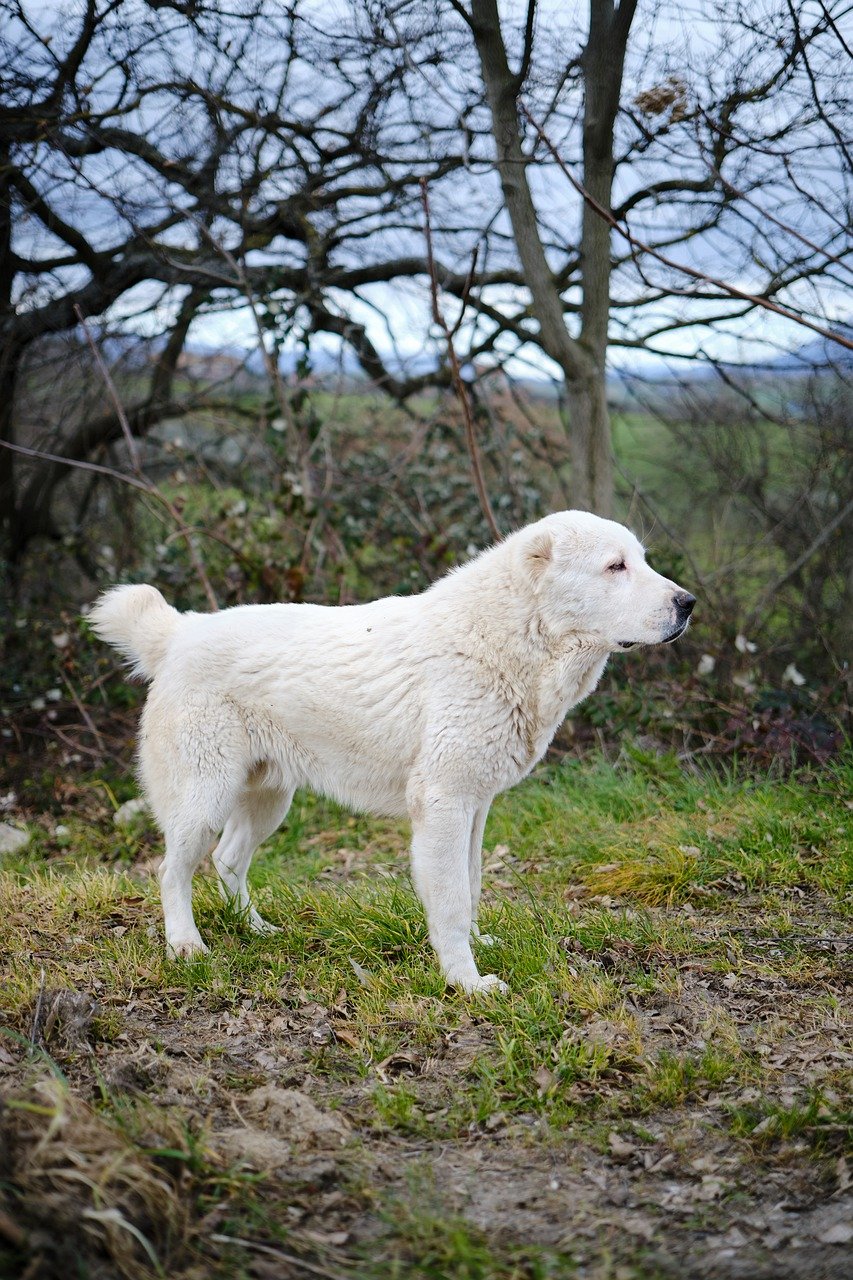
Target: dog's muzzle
x: 683, y: 604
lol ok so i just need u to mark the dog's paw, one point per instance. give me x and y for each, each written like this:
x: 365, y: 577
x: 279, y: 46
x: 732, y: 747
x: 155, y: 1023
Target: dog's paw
x: 486, y: 939
x: 488, y: 982
x: 186, y: 948
x: 259, y: 925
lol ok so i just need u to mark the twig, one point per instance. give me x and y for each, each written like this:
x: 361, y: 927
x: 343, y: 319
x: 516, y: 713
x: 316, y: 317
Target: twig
x: 844, y: 940
x: 670, y: 533
x: 292, y: 1258
x: 456, y: 375
x: 90, y: 724
x: 10, y: 1231
x: 765, y: 213
x: 143, y: 481
x: 754, y: 299
x: 57, y: 732
x: 43, y: 456
x: 114, y: 396
x: 270, y: 363
x: 812, y: 549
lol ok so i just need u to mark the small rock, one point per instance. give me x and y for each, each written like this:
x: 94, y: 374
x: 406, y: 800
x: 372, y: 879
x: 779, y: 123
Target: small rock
x: 130, y: 812
x: 619, y: 1147
x: 12, y: 839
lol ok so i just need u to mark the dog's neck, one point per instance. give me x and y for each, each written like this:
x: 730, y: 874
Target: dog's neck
x: 507, y: 634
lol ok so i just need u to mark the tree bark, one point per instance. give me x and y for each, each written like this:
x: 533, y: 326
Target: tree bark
x: 10, y: 356
x: 590, y: 446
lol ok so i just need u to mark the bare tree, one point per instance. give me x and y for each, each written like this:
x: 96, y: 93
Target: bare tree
x: 170, y: 160
x: 160, y: 161
x: 581, y: 358
x: 736, y: 158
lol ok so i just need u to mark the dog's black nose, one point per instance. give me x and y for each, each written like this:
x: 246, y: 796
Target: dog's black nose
x: 684, y: 602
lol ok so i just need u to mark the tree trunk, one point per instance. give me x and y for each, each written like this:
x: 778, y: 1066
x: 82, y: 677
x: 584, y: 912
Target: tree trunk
x: 10, y: 355
x: 590, y: 485
x: 581, y: 359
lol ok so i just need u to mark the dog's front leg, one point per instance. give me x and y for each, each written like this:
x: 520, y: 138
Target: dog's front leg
x: 442, y: 828
x: 475, y: 873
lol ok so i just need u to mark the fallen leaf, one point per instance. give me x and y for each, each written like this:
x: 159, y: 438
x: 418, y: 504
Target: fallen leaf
x: 362, y: 974
x: 545, y: 1080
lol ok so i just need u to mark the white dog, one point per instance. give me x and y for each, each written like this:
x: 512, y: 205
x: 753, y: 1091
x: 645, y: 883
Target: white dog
x: 425, y: 705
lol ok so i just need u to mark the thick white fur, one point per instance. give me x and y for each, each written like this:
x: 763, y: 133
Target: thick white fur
x: 425, y: 705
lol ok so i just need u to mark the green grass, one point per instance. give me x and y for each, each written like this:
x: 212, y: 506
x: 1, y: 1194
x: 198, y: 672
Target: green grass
x: 430, y: 1246
x: 826, y: 1122
x: 662, y: 932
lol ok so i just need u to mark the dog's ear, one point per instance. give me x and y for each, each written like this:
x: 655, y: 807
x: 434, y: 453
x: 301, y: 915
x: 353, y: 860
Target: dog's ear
x: 538, y: 554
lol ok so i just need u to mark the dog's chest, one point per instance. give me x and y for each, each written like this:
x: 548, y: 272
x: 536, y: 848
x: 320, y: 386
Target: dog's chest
x: 534, y: 719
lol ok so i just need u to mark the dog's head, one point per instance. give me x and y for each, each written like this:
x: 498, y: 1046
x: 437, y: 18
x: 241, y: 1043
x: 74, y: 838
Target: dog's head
x: 590, y: 577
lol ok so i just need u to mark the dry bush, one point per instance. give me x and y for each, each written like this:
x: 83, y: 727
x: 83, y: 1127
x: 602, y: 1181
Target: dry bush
x: 81, y: 1191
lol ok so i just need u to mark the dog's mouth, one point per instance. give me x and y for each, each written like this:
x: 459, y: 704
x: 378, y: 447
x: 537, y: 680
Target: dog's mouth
x: 673, y: 635
x: 679, y: 631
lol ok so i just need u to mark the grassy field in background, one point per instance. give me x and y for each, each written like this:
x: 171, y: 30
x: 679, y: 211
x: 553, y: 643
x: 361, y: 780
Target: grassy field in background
x: 665, y: 1090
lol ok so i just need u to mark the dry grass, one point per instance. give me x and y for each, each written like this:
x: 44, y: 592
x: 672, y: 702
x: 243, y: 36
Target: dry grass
x: 83, y: 1189
x: 658, y: 879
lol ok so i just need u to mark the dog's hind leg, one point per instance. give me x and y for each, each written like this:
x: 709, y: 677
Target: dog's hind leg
x: 257, y: 814
x: 186, y: 845
x: 192, y: 762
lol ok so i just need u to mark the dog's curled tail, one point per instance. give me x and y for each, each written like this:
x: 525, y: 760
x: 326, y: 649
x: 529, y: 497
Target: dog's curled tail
x: 138, y: 622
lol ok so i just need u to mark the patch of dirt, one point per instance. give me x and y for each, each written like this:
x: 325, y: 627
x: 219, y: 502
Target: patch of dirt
x: 281, y: 1125
x: 686, y: 1196
x: 692, y: 1222
x: 287, y: 1094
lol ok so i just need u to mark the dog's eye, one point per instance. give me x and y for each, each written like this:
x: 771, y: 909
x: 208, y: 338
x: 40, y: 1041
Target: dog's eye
x: 618, y: 567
